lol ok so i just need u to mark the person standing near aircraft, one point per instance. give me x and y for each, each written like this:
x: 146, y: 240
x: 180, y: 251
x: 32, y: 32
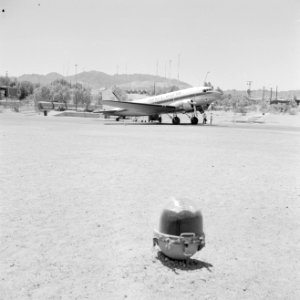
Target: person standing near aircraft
x: 211, y: 118
x: 204, y: 118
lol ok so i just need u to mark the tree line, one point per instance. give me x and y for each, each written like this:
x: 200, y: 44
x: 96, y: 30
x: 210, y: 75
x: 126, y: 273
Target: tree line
x: 59, y: 90
x: 64, y: 92
x: 24, y: 88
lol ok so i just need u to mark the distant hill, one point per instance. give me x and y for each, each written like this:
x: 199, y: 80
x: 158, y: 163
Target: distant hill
x: 42, y: 79
x: 98, y: 80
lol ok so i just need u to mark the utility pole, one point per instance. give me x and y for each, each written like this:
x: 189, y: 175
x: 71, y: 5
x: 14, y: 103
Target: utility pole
x: 271, y: 94
x: 76, y: 86
x: 249, y: 84
x: 170, y: 68
x: 249, y: 88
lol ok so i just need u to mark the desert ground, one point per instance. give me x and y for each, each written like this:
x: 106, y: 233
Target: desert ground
x: 80, y: 198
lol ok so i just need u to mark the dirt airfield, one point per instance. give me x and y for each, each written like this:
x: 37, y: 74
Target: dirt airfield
x: 80, y: 199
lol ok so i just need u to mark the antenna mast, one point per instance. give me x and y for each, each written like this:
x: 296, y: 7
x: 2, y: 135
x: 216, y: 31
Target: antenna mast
x: 204, y: 81
x: 178, y: 66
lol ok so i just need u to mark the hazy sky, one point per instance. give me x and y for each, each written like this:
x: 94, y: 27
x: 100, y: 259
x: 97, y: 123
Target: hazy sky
x: 234, y: 40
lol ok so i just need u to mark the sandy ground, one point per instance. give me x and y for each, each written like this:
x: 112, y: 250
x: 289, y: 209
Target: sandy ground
x: 80, y: 199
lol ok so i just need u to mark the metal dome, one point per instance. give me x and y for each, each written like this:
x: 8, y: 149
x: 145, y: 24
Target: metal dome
x: 180, y: 232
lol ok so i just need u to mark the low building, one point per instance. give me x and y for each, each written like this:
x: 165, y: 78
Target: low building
x: 8, y: 92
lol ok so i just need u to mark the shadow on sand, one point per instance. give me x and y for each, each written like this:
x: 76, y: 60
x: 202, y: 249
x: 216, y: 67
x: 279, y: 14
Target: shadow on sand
x: 150, y: 124
x: 188, y: 265
x: 229, y: 125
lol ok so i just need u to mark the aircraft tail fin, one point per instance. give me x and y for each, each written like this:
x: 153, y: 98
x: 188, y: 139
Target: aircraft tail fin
x: 119, y: 94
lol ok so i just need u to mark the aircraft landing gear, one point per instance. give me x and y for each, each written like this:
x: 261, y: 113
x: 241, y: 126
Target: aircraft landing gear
x: 194, y: 120
x: 175, y: 120
x: 118, y: 119
x: 159, y: 119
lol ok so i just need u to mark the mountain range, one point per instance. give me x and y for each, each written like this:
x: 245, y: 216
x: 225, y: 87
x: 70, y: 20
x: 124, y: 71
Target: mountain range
x: 97, y: 80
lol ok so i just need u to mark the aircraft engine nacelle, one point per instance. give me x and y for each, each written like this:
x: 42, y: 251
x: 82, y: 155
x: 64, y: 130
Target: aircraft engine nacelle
x: 186, y: 106
x: 155, y: 118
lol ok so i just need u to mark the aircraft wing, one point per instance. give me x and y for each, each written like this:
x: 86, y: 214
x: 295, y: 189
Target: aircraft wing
x: 108, y: 111
x: 145, y: 109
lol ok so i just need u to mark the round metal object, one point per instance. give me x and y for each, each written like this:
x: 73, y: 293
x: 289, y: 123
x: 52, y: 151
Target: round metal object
x: 180, y: 232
